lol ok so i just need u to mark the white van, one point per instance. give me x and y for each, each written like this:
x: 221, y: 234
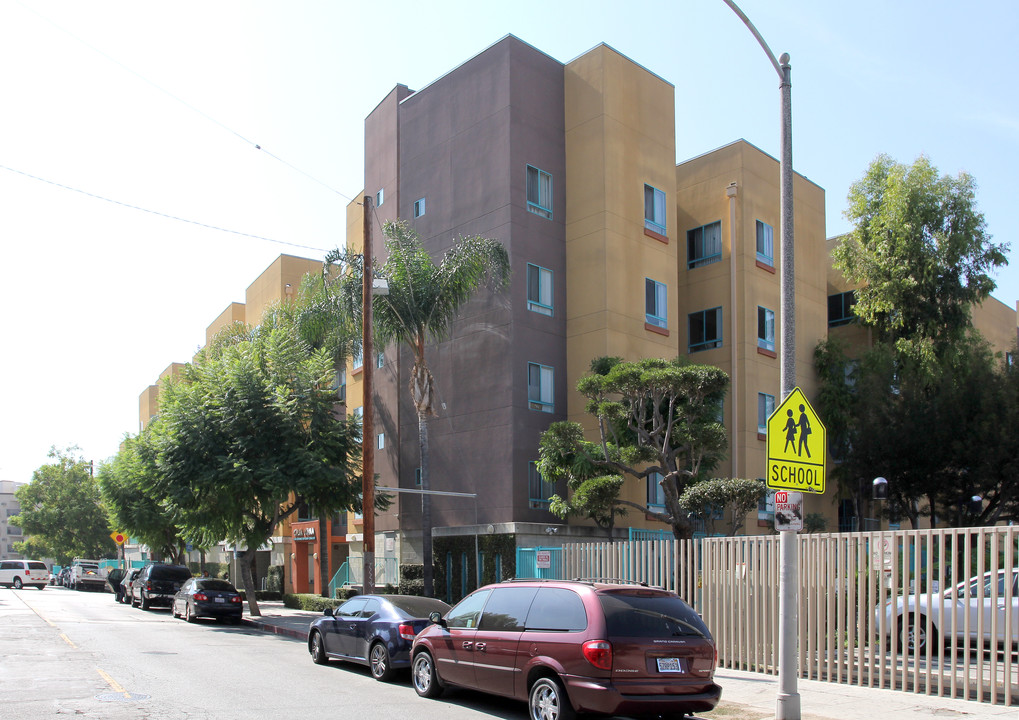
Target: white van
x: 19, y: 573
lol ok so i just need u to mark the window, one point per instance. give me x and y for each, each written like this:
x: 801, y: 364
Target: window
x: 704, y: 245
x: 558, y: 610
x: 417, y: 476
x: 765, y: 328
x: 539, y: 192
x: 380, y: 360
x: 468, y: 611
x: 656, y: 303
x: 538, y: 491
x: 765, y: 407
x: 379, y: 197
x: 840, y: 308
x: 358, y: 360
x: 382, y: 441
x: 419, y: 207
x: 507, y: 609
x: 654, y: 210
x: 655, y: 491
x: 539, y: 387
x: 341, y: 385
x: 1009, y: 360
x: 705, y: 330
x: 358, y: 412
x: 539, y: 289
x: 765, y: 243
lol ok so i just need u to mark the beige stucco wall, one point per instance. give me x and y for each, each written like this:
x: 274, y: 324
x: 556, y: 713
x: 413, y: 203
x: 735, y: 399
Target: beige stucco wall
x: 282, y: 279
x: 234, y: 313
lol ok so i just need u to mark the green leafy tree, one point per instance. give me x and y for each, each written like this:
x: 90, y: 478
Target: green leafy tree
x: 62, y: 515
x: 125, y: 482
x: 251, y: 432
x: 655, y: 418
x: 423, y: 301
x: 733, y: 498
x: 921, y: 251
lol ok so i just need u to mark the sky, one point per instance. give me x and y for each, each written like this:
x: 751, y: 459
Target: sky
x: 156, y: 157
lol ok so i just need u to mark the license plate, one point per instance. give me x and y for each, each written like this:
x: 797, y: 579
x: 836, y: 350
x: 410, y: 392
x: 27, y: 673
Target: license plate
x: 222, y: 600
x: 669, y: 665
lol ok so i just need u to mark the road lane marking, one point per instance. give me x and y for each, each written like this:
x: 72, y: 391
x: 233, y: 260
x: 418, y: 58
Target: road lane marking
x: 68, y: 640
x: 117, y: 687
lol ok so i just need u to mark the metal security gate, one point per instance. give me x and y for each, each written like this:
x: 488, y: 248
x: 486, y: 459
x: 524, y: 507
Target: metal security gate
x: 540, y: 562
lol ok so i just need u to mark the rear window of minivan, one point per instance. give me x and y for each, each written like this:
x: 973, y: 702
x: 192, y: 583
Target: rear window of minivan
x: 169, y: 572
x: 36, y: 566
x: 652, y: 615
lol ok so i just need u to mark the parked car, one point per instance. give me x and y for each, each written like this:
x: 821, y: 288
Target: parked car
x: 127, y: 583
x: 568, y: 647
x: 372, y: 630
x: 960, y: 604
x: 157, y: 584
x: 208, y: 597
x: 85, y: 575
x: 21, y: 573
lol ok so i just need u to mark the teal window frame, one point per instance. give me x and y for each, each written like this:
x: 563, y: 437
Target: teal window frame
x: 701, y: 252
x: 699, y: 326
x: 656, y: 303
x: 538, y: 491
x: 540, y: 289
x: 840, y: 308
x: 538, y: 396
x: 539, y: 191
x: 765, y: 407
x: 765, y: 328
x: 655, y: 492
x: 419, y: 207
x: 654, y: 210
x: 766, y: 243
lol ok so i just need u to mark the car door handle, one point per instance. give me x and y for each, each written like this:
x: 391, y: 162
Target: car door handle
x: 480, y: 647
x: 467, y: 645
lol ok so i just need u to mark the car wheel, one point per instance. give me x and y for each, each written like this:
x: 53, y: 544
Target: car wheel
x: 378, y: 659
x: 547, y: 701
x: 426, y: 681
x: 144, y: 603
x: 17, y: 584
x: 913, y: 636
x: 318, y: 650
x: 173, y: 609
x: 188, y: 617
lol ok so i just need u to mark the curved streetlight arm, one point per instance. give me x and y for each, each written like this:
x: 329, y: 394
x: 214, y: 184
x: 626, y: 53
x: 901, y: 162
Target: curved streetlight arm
x: 771, y: 56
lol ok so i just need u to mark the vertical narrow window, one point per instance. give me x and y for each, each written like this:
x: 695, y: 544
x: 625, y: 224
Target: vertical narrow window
x: 341, y: 385
x: 539, y: 289
x: 419, y: 207
x: 765, y: 243
x: 656, y: 303
x: 704, y: 245
x: 358, y: 360
x: 539, y: 192
x: 705, y: 330
x: 380, y: 360
x: 538, y: 491
x: 765, y: 328
x: 417, y: 477
x: 379, y: 197
x: 765, y: 407
x: 654, y: 210
x: 381, y: 441
x: 655, y: 492
x: 539, y: 387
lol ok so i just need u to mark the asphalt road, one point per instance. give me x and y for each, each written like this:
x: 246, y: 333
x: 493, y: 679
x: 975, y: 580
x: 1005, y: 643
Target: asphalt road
x: 81, y: 654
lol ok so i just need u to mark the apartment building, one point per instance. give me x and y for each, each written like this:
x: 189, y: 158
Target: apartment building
x: 9, y: 507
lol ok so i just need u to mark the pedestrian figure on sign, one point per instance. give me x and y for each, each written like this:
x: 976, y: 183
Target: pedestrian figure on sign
x: 805, y: 430
x: 790, y: 432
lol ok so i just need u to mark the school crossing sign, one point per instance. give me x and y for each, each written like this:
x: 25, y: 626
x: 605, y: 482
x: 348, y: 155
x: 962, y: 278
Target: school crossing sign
x: 796, y: 446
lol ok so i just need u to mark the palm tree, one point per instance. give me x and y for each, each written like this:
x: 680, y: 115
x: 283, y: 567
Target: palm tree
x: 423, y: 301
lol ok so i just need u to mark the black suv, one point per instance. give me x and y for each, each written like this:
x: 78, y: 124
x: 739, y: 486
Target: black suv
x: 157, y: 584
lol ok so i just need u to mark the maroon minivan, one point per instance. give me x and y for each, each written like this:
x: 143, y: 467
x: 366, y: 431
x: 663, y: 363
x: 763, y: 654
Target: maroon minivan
x: 570, y: 647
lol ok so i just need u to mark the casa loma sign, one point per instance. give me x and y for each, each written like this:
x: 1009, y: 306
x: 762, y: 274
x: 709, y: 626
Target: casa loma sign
x: 304, y: 533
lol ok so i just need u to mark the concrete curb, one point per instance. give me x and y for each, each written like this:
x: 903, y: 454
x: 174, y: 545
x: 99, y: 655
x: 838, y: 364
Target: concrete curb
x: 301, y: 635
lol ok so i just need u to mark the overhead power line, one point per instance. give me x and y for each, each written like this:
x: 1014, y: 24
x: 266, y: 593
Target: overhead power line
x: 160, y: 214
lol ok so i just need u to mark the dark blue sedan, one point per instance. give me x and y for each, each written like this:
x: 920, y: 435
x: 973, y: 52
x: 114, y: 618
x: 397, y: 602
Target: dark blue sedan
x: 208, y: 597
x: 372, y: 630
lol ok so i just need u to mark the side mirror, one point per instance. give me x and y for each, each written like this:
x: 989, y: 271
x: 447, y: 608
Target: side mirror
x: 328, y: 612
x: 435, y: 618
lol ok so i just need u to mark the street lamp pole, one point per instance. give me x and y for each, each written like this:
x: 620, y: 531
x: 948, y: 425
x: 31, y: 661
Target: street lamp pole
x: 788, y: 703
x: 367, y: 415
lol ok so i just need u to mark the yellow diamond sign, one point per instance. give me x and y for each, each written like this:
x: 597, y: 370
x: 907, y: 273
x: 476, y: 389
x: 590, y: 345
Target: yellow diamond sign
x: 796, y: 446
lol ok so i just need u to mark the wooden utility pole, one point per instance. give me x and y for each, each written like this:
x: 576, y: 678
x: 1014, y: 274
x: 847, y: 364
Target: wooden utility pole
x: 367, y: 415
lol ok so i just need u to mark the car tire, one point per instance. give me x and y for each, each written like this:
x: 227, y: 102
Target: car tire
x: 379, y: 662
x: 143, y: 603
x: 547, y: 700
x: 913, y: 636
x: 17, y: 583
x: 423, y: 676
x: 188, y: 617
x: 173, y: 610
x: 318, y: 650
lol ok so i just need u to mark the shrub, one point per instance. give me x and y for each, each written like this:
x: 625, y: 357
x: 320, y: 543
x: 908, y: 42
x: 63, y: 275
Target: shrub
x: 306, y: 601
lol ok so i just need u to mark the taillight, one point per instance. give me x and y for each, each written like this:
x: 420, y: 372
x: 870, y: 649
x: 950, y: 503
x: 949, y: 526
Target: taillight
x: 407, y: 631
x: 598, y: 653
x: 235, y: 599
x: 201, y: 597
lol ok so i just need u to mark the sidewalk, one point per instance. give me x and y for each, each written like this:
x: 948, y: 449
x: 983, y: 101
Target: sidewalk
x: 746, y: 695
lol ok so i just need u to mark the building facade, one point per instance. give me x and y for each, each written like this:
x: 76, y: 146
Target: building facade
x: 9, y: 507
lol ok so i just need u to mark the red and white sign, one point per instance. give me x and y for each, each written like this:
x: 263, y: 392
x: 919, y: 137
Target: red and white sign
x: 543, y: 559
x: 788, y: 511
